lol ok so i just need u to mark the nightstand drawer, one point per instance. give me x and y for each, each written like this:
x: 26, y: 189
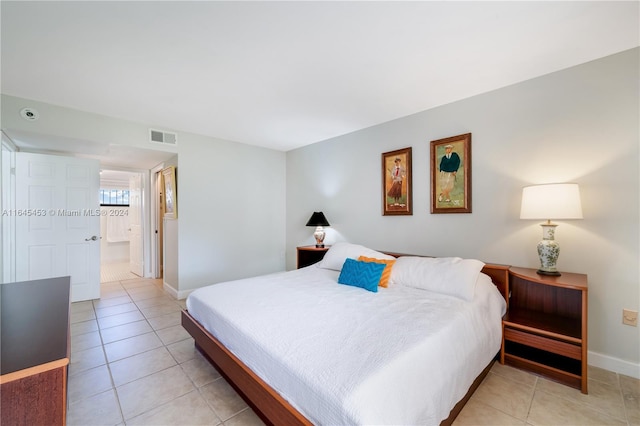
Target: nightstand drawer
x: 545, y: 343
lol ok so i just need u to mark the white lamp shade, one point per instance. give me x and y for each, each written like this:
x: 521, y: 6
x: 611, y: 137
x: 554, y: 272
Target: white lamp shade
x: 551, y: 201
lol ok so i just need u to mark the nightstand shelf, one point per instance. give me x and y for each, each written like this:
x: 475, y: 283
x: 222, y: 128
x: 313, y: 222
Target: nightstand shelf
x: 543, y: 361
x: 547, y: 324
x: 545, y: 328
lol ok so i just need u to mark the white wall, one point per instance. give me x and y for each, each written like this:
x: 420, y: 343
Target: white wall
x: 577, y: 125
x: 231, y: 196
x: 171, y: 276
x: 231, y: 209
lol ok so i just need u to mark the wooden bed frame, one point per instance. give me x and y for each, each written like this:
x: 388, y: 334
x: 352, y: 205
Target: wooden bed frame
x: 272, y: 408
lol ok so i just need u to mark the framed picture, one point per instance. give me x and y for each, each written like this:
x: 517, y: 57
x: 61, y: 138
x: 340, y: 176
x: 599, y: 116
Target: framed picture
x: 170, y: 193
x: 396, y: 183
x: 451, y: 174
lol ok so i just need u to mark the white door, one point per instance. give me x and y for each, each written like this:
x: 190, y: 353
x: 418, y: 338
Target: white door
x: 135, y: 224
x: 58, y: 221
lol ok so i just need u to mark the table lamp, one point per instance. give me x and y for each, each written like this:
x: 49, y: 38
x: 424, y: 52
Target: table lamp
x: 318, y: 220
x: 550, y: 201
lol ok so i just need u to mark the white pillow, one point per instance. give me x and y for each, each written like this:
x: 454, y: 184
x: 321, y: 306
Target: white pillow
x: 447, y: 275
x: 339, y: 252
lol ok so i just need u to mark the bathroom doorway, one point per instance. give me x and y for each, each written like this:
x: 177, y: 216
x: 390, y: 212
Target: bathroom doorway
x: 121, y: 224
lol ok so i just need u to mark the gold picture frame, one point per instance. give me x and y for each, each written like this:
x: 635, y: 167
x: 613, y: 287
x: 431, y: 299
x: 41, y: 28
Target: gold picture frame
x: 451, y: 174
x: 397, y: 192
x: 170, y: 193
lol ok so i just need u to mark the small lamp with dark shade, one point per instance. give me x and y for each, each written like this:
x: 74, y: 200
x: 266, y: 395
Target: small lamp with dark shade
x: 550, y: 201
x: 318, y: 220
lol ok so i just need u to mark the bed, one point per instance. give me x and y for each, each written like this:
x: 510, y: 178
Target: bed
x: 303, y: 349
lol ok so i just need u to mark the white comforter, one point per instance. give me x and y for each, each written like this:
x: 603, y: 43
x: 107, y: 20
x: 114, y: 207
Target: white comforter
x: 342, y: 355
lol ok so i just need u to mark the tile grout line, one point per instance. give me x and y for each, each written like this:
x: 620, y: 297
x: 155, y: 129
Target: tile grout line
x: 533, y: 394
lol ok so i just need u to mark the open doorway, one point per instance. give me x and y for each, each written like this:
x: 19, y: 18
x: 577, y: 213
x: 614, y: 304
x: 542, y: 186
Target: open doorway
x: 130, y: 160
x: 121, y: 223
x: 143, y: 254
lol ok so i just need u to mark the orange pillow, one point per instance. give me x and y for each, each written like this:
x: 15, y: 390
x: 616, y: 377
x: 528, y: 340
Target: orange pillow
x: 386, y: 274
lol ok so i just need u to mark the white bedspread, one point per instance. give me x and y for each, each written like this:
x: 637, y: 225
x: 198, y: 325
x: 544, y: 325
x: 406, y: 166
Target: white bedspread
x: 342, y: 355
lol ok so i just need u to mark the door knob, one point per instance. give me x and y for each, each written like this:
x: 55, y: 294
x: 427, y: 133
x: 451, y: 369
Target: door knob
x: 91, y: 239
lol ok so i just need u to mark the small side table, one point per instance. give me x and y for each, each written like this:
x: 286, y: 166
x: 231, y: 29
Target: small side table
x: 545, y: 328
x: 308, y: 255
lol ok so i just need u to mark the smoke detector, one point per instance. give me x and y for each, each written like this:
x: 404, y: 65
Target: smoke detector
x: 29, y: 114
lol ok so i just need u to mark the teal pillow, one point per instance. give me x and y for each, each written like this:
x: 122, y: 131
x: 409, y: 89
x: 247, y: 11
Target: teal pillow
x: 361, y: 274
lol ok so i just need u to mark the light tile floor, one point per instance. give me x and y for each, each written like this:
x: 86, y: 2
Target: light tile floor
x: 509, y: 396
x: 116, y: 272
x: 132, y: 363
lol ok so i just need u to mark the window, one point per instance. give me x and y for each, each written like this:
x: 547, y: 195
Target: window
x: 114, y: 197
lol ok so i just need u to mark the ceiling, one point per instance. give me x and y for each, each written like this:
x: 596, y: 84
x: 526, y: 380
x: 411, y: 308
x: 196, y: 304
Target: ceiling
x: 118, y: 177
x: 287, y: 74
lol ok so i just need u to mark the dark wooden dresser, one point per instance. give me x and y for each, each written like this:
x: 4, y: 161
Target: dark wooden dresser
x: 35, y: 351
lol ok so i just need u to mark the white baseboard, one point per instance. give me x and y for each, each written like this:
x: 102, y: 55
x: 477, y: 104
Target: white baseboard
x: 184, y: 293
x: 179, y: 295
x: 617, y: 365
x: 172, y: 291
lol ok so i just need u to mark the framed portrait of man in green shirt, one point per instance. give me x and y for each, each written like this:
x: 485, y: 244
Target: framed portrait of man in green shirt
x: 451, y: 174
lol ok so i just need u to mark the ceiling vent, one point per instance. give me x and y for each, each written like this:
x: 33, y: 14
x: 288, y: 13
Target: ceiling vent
x: 163, y: 137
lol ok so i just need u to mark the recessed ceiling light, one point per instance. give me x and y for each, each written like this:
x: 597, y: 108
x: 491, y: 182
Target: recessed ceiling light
x: 29, y: 114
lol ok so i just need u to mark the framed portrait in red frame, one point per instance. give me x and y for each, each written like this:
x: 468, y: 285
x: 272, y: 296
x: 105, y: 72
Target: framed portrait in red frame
x: 397, y: 192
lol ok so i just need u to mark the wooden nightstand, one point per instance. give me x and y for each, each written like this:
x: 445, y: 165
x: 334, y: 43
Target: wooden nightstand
x: 545, y: 328
x: 308, y: 255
